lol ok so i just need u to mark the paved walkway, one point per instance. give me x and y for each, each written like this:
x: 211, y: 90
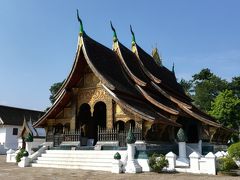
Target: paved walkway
x: 10, y: 171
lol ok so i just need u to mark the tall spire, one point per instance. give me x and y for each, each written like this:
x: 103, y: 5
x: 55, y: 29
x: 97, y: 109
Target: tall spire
x: 114, y: 33
x: 81, y: 25
x: 173, y: 71
x: 133, y: 36
x: 156, y: 56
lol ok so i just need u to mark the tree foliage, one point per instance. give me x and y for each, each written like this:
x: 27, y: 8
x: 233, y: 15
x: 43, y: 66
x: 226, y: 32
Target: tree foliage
x: 206, y: 87
x: 187, y: 86
x: 226, y: 164
x: 226, y: 109
x: 215, y: 96
x: 54, y: 89
x: 234, y: 151
x: 235, y: 86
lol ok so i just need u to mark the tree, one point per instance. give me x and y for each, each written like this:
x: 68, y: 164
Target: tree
x: 204, y: 74
x: 187, y: 86
x: 235, y: 86
x: 226, y: 109
x: 54, y: 89
x: 206, y: 87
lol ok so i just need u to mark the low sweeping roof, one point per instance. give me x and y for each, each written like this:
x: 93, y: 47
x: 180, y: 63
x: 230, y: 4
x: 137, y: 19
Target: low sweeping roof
x: 15, y: 116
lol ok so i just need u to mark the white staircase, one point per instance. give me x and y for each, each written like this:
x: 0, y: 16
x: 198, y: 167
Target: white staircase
x: 77, y: 159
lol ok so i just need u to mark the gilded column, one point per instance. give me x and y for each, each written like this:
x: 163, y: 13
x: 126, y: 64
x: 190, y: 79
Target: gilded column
x: 109, y: 113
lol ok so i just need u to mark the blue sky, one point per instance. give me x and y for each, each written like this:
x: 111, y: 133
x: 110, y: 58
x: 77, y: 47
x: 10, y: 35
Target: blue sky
x: 38, y: 39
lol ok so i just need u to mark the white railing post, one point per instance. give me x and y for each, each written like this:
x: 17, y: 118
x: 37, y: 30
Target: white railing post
x: 211, y: 163
x: 10, y: 157
x: 200, y: 146
x: 194, y: 162
x: 132, y: 165
x: 25, y: 162
x: 182, y: 150
x: 29, y: 147
x: 171, y: 157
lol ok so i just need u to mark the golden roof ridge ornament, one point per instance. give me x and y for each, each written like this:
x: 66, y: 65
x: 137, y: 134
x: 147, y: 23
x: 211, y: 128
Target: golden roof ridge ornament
x: 115, y: 39
x: 133, y: 36
x: 157, y: 58
x: 81, y: 31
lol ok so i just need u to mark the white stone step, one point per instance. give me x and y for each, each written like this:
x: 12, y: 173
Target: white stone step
x: 80, y: 152
x: 66, y: 159
x: 75, y: 163
x: 99, y: 160
x: 78, y: 156
x: 77, y: 159
x: 96, y: 168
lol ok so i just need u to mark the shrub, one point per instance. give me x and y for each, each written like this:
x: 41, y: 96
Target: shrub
x: 20, y: 155
x: 226, y: 164
x: 234, y: 151
x: 158, y: 162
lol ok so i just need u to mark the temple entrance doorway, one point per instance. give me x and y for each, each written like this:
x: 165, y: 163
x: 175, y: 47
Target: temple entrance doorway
x: 83, y: 119
x: 121, y: 130
x: 191, y: 129
x: 88, y: 123
x: 99, y: 119
x: 99, y: 114
x: 192, y: 132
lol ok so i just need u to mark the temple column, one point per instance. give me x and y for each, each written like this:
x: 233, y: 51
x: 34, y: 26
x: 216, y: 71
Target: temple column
x: 109, y: 113
x: 74, y: 104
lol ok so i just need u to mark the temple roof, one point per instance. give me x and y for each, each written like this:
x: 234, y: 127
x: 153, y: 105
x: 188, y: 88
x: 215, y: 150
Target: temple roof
x: 160, y: 74
x: 28, y: 127
x: 133, y: 79
x: 15, y: 116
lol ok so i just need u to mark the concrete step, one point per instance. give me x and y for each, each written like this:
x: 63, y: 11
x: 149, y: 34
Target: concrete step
x: 67, y: 159
x: 80, y: 152
x: 75, y: 163
x: 77, y: 156
x: 77, y: 159
x: 182, y: 163
x: 96, y: 168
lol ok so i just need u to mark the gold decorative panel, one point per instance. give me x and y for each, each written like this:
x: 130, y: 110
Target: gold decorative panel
x: 91, y: 96
x: 90, y: 80
x: 119, y: 111
x: 67, y: 112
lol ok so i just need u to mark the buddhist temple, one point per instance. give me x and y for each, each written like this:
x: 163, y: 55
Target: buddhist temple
x: 109, y: 91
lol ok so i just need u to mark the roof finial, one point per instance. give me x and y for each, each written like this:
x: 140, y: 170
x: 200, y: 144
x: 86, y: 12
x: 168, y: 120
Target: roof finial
x: 114, y: 33
x: 156, y: 56
x: 173, y: 71
x: 81, y: 25
x: 133, y: 36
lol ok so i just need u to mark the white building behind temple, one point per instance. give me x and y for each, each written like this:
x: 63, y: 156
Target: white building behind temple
x: 11, y: 123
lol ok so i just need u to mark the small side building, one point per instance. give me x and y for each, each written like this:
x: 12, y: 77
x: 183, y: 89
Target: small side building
x: 11, y: 122
x: 27, y: 129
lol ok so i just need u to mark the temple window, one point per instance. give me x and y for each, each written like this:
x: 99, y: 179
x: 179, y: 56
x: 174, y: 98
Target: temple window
x: 15, y: 131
